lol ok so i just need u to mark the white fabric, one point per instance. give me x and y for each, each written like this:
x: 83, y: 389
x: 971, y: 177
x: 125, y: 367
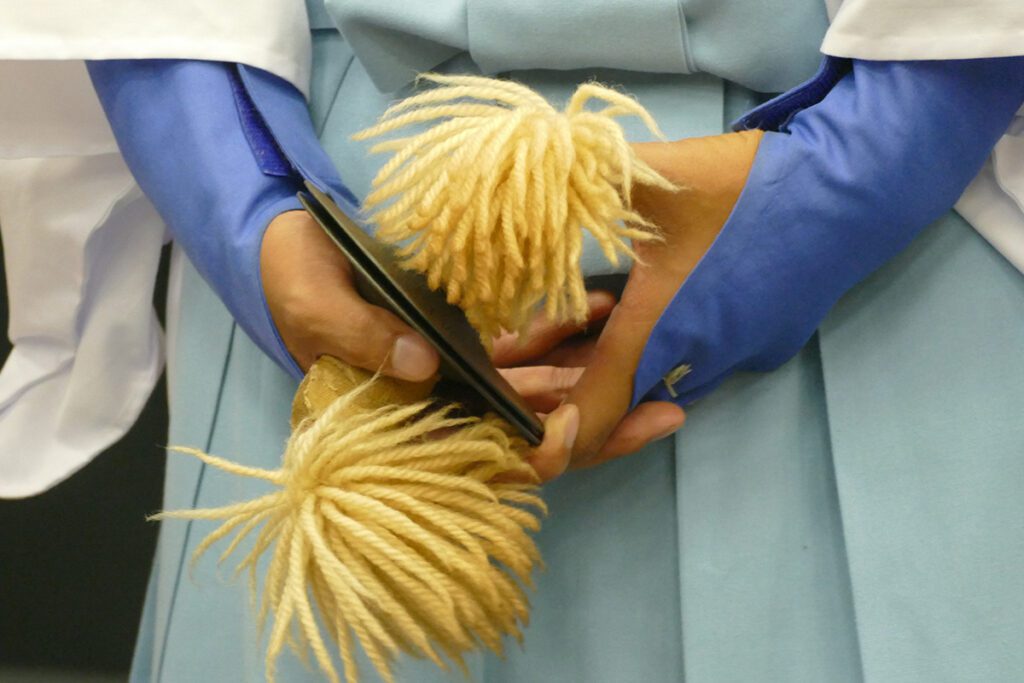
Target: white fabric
x: 926, y: 29
x: 87, y: 347
x: 81, y: 243
x: 47, y: 106
x: 950, y: 29
x: 994, y: 201
x: 48, y: 109
x: 270, y: 34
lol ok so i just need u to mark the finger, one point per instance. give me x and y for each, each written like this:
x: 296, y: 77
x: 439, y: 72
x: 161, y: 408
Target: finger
x: 374, y: 339
x: 577, y: 352
x: 545, y: 335
x: 543, y: 387
x: 313, y: 300
x: 604, y: 391
x: 649, y: 422
x: 551, y: 457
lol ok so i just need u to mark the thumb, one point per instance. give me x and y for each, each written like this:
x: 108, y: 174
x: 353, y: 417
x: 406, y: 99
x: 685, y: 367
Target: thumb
x: 373, y: 338
x: 712, y: 171
x: 604, y: 391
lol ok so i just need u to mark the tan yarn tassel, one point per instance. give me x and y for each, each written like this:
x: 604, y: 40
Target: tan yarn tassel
x: 494, y: 197
x: 405, y: 523
x: 413, y: 543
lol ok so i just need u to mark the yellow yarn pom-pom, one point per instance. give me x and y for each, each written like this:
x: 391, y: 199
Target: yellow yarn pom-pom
x: 490, y: 201
x: 406, y: 524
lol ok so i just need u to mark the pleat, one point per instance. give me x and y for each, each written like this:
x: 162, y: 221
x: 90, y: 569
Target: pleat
x: 145, y: 656
x: 332, y: 58
x: 199, y: 343
x: 606, y: 609
x: 211, y: 632
x: 764, y: 586
x: 924, y: 370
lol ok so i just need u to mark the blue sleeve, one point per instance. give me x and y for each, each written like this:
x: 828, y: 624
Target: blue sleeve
x: 198, y: 149
x: 857, y: 162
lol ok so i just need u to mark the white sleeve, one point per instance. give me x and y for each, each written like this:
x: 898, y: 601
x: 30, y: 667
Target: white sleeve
x: 994, y: 202
x: 81, y: 242
x: 47, y: 106
x: 81, y: 245
x: 934, y: 29
x: 269, y: 34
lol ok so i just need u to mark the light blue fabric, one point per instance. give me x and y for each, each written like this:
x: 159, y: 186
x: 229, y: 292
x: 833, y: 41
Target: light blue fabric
x: 848, y: 517
x: 764, y: 46
x: 318, y: 16
x: 924, y: 379
x: 506, y: 36
x: 854, y: 515
x: 767, y: 46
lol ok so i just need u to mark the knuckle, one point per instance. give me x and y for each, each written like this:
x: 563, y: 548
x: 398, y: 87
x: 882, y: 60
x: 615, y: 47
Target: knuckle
x: 355, y: 319
x: 562, y: 378
x: 360, y: 356
x: 366, y: 352
x: 586, y: 449
x: 360, y: 339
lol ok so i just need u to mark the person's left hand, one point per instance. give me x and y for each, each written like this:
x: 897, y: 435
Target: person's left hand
x: 544, y: 366
x: 596, y: 424
x: 771, y: 228
x: 711, y: 172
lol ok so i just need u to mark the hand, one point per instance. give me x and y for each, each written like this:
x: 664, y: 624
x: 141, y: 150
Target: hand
x: 312, y: 298
x: 861, y: 163
x: 311, y: 294
x: 712, y: 172
x: 545, y: 365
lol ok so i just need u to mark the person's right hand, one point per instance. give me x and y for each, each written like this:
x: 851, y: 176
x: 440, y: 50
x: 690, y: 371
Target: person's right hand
x: 312, y: 297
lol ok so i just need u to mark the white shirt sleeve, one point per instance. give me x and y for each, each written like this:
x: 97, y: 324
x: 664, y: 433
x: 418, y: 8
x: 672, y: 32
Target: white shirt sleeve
x: 933, y: 29
x: 82, y: 244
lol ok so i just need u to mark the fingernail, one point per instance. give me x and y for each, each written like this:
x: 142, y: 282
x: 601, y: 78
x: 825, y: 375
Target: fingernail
x: 596, y: 297
x: 570, y: 425
x: 412, y: 359
x: 669, y: 432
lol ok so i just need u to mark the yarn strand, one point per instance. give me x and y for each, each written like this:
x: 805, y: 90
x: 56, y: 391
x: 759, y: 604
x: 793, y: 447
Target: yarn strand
x: 490, y: 200
x: 400, y: 540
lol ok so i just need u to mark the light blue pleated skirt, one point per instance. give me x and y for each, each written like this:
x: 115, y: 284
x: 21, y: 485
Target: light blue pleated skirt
x: 856, y: 515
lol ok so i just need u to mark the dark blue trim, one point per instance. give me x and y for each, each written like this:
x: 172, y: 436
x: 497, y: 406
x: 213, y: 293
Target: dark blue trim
x: 776, y: 113
x: 285, y: 113
x: 265, y: 149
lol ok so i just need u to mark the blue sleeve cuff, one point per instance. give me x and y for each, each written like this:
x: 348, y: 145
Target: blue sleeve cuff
x: 198, y: 149
x: 859, y: 160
